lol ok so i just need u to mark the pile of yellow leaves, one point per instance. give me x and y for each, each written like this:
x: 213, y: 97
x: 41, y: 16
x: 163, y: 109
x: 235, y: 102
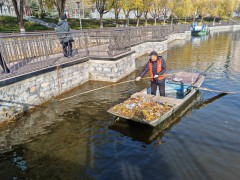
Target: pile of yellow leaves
x: 141, y: 108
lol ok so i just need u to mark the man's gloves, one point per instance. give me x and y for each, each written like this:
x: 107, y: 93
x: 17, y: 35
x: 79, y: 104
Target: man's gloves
x: 138, y: 78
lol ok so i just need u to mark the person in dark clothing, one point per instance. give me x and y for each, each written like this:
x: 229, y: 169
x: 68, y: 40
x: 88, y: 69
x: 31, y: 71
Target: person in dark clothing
x: 157, y: 68
x: 3, y: 65
x: 64, y: 33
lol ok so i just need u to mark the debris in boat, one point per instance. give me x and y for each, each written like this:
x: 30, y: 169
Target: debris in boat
x: 141, y: 108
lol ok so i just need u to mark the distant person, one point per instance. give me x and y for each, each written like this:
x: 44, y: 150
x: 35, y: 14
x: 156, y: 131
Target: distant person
x: 3, y: 65
x: 64, y: 33
x: 157, y: 68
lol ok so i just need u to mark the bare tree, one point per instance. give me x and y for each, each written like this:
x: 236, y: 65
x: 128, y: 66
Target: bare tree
x: 117, y: 9
x: 154, y: 14
x: 146, y: 9
x: 138, y: 14
x: 1, y: 5
x: 6, y: 3
x: 126, y: 13
x: 9, y: 7
x: 103, y: 6
x: 19, y: 13
x: 165, y: 12
x: 60, y: 5
x: 127, y: 6
x: 41, y: 14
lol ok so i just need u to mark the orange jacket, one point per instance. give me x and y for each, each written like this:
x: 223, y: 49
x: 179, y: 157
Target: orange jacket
x: 159, y: 69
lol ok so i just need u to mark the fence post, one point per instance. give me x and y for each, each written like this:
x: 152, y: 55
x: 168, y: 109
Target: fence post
x: 46, y: 49
x: 86, y: 43
x: 129, y: 36
x: 3, y: 51
x: 110, y: 44
x: 4, y: 54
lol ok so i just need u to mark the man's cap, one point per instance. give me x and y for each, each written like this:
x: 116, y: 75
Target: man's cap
x: 153, y: 53
x: 63, y: 17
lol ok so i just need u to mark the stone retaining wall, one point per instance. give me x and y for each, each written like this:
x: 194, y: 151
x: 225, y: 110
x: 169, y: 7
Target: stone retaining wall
x: 19, y: 97
x: 224, y: 28
x: 111, y: 71
x: 159, y: 47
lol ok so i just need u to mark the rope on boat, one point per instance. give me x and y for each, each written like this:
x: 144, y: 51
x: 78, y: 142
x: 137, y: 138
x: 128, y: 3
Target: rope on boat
x: 106, y: 87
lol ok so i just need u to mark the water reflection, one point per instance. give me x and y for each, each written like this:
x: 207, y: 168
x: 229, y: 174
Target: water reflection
x: 198, y: 40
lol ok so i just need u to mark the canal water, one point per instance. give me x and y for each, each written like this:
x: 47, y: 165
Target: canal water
x: 78, y: 139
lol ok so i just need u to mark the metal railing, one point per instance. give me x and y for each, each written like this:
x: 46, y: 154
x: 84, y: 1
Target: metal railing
x: 22, y: 54
x: 25, y: 53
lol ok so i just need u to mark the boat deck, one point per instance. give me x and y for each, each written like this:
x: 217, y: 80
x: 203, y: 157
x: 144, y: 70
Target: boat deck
x: 159, y: 99
x: 187, y: 84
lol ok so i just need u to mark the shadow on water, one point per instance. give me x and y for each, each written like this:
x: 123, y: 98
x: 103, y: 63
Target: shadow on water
x: 201, y: 104
x: 148, y: 133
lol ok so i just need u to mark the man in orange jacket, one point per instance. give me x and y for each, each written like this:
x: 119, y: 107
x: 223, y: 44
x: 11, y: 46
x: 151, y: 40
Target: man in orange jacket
x: 157, y: 68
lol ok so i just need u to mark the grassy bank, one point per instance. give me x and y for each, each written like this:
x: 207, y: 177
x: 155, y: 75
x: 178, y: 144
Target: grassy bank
x: 10, y: 24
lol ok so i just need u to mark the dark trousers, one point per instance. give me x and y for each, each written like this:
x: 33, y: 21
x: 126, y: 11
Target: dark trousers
x: 161, y: 85
x: 3, y: 65
x: 67, y: 48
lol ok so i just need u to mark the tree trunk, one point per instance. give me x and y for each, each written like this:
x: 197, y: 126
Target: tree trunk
x: 194, y: 17
x: 127, y: 21
x: 164, y: 16
x: 127, y: 18
x: 155, y: 21
x: 9, y: 9
x: 214, y: 21
x: 171, y: 21
x: 185, y: 20
x: 101, y: 20
x: 1, y: 5
x: 116, y: 18
x: 137, y: 21
x: 202, y: 19
x: 21, y: 23
x: 19, y: 14
x: 41, y: 15
x: 60, y: 5
x: 146, y: 17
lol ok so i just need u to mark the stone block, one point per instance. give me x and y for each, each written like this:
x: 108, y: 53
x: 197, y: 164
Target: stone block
x: 44, y: 85
x: 99, y: 69
x: 107, y: 70
x: 32, y: 100
x: 33, y: 89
